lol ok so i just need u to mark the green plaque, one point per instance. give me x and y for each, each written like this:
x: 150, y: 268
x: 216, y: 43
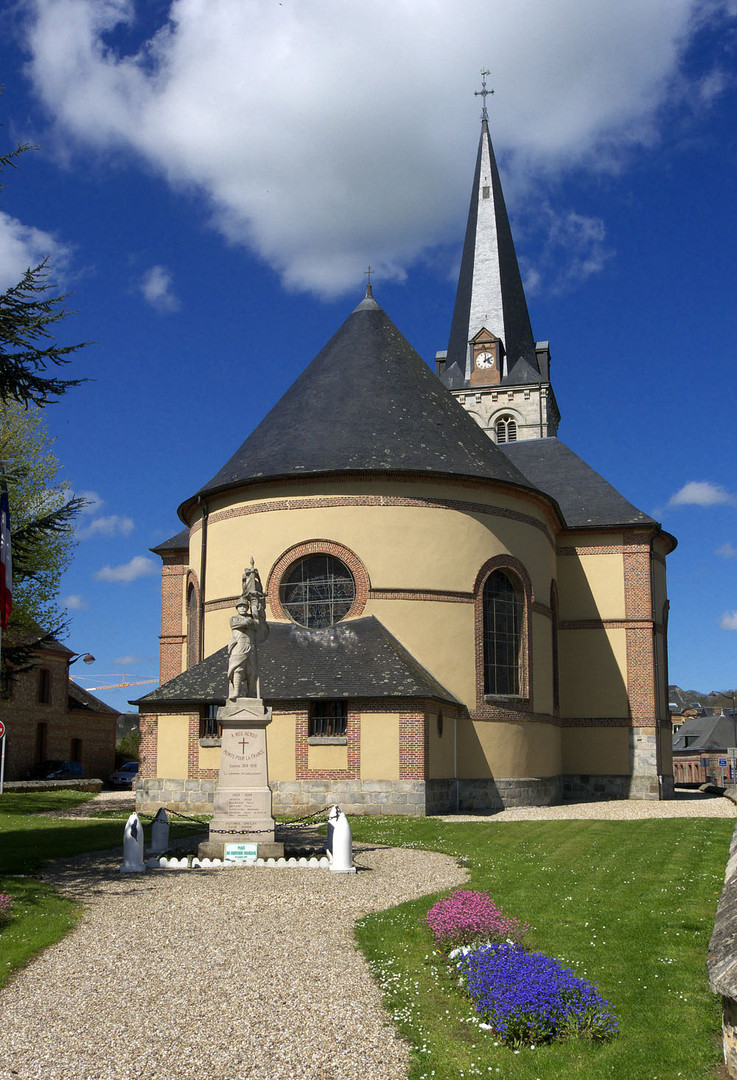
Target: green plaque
x: 240, y: 852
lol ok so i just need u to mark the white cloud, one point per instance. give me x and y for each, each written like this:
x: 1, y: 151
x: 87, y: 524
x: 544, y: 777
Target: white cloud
x: 574, y: 248
x: 727, y: 551
x: 139, y: 566
x: 729, y: 621
x: 156, y: 286
x: 328, y: 135
x: 75, y: 602
x: 701, y: 493
x: 128, y: 661
x: 112, y: 525
x: 23, y: 246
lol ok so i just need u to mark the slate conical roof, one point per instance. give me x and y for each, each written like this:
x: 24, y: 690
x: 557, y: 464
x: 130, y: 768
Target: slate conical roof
x: 366, y: 403
x: 490, y: 293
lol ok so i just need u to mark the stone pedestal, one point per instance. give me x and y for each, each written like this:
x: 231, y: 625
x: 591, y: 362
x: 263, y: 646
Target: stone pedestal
x: 242, y: 807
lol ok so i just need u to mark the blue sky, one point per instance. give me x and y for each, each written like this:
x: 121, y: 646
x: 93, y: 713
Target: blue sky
x: 213, y: 179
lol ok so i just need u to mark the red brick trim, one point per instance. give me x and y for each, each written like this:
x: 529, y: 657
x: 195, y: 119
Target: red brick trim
x: 507, y: 706
x: 148, y: 726
x: 317, y: 547
x: 638, y: 606
x: 422, y: 594
x: 413, y: 744
x: 319, y: 502
x: 171, y: 638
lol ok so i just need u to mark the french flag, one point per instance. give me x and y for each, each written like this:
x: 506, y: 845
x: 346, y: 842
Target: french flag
x: 6, y: 562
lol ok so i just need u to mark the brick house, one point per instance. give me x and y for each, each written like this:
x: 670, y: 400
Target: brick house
x: 48, y: 717
x: 703, y: 748
x: 463, y: 613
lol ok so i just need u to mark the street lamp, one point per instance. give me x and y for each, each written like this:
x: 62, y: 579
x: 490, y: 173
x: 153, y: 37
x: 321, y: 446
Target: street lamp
x: 87, y: 657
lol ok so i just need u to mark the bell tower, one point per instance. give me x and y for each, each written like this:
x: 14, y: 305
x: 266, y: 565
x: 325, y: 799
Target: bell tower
x: 493, y: 365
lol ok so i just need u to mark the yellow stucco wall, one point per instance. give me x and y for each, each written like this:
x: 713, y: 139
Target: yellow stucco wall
x: 591, y: 586
x: 441, y: 747
x: 280, y: 740
x: 379, y: 746
x: 596, y: 750
x: 498, y: 749
x: 173, y: 747
x: 326, y: 757
x: 410, y: 548
x: 593, y: 672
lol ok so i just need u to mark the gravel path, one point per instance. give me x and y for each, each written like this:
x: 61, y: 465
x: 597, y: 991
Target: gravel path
x: 685, y: 804
x: 239, y: 974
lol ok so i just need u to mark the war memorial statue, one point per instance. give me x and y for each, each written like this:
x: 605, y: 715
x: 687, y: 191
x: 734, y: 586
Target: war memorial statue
x: 242, y: 823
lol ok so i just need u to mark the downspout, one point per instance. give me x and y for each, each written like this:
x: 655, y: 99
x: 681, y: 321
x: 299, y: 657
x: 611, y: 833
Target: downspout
x: 656, y: 674
x: 203, y: 571
x: 455, y: 761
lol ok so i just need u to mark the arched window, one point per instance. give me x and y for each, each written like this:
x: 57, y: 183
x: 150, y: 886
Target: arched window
x: 503, y: 608
x: 505, y: 429
x: 318, y: 591
x: 193, y: 622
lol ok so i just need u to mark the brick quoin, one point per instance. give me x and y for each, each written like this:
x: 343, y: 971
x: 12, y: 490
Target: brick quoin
x: 413, y: 744
x: 172, y: 637
x: 148, y: 726
x: 641, y: 687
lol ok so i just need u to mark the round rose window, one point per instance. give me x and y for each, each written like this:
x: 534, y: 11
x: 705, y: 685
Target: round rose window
x: 317, y: 591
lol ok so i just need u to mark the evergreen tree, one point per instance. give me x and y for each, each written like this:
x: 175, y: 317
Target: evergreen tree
x: 42, y: 512
x: 28, y: 315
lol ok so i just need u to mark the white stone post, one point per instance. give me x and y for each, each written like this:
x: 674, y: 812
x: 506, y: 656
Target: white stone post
x: 160, y: 832
x: 133, y: 847
x: 342, y: 846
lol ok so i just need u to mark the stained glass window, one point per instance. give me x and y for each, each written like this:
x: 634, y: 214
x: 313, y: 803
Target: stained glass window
x: 318, y: 591
x: 502, y: 635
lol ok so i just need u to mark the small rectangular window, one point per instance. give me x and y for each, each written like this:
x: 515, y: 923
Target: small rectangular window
x: 485, y: 191
x: 328, y: 719
x: 44, y: 686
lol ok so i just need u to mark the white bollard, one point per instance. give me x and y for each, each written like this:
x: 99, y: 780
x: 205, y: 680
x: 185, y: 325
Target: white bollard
x: 160, y: 832
x: 342, y: 846
x: 332, y: 818
x: 133, y: 847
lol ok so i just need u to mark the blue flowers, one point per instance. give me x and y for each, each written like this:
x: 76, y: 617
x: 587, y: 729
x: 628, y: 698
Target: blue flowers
x: 530, y: 998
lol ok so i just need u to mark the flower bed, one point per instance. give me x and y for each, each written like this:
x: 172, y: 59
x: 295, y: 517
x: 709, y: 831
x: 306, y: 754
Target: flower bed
x: 530, y: 998
x: 524, y: 998
x: 466, y: 916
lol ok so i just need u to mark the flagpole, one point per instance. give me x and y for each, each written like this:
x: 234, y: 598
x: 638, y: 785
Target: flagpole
x: 4, y: 528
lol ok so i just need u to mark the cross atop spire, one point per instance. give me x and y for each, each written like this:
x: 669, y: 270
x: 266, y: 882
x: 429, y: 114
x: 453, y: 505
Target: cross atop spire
x: 483, y: 93
x: 369, y: 290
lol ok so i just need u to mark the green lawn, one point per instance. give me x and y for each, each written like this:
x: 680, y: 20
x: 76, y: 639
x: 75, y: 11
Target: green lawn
x: 42, y: 917
x: 629, y: 905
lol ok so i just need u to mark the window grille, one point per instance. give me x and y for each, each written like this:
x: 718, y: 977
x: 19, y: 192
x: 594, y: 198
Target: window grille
x: 209, y: 727
x: 319, y: 591
x: 503, y: 614
x: 328, y: 718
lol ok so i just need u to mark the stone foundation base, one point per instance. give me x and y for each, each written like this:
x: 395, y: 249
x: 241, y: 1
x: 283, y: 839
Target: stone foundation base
x: 412, y: 798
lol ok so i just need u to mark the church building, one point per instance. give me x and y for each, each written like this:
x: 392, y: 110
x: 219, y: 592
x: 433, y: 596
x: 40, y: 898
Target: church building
x: 463, y: 615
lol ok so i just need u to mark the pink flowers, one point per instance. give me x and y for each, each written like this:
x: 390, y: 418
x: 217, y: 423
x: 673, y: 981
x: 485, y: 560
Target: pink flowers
x: 6, y: 907
x: 466, y: 916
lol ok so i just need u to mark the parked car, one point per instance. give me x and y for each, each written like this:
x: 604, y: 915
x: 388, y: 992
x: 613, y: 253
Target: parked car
x: 56, y: 770
x: 125, y: 776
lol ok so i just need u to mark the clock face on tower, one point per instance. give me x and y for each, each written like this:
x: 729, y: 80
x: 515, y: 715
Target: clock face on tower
x: 485, y: 360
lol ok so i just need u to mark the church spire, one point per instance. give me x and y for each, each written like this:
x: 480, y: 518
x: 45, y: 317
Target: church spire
x: 490, y: 295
